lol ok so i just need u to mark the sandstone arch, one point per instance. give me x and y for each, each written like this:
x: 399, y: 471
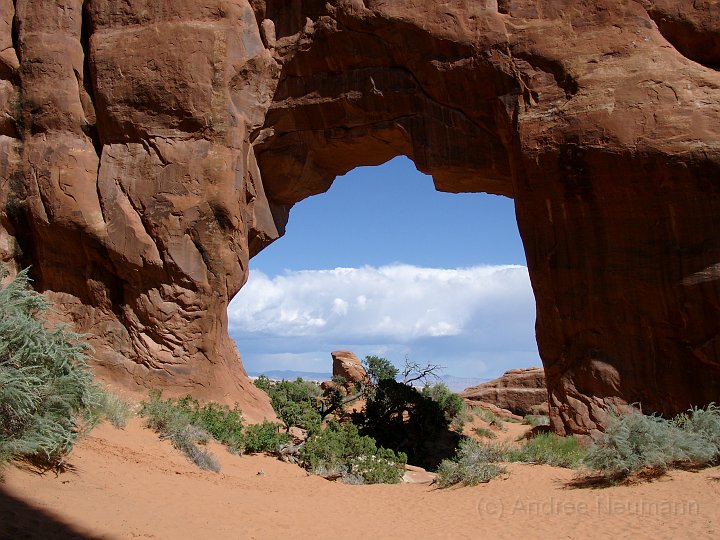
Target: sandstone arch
x: 149, y: 148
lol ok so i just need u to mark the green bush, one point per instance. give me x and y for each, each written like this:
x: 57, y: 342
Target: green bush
x: 491, y: 418
x: 484, y: 432
x: 536, y: 420
x: 297, y: 403
x: 264, y: 383
x: 486, y: 416
x: 220, y: 421
x: 635, y: 441
x: 173, y: 421
x: 264, y: 437
x: 474, y: 464
x: 450, y: 403
x: 340, y: 449
x: 549, y: 449
x: 187, y: 423
x: 383, y: 467
x: 47, y: 395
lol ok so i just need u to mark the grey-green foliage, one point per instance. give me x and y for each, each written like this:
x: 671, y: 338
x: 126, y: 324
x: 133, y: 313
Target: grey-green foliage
x: 635, y: 441
x: 477, y: 462
x: 704, y: 423
x: 549, y: 449
x: 47, y: 395
x: 484, y: 432
x: 535, y: 420
x: 187, y: 423
x: 114, y: 409
x: 491, y: 418
x: 174, y: 422
x: 473, y: 464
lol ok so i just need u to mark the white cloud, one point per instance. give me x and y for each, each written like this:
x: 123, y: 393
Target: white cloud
x: 463, y: 316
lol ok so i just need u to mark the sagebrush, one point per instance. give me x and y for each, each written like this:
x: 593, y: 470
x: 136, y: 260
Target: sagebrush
x: 47, y: 395
x: 635, y: 441
x: 474, y: 464
x: 189, y: 424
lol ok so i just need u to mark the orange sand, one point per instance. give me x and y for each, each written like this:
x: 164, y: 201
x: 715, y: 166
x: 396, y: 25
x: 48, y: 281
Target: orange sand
x: 129, y: 484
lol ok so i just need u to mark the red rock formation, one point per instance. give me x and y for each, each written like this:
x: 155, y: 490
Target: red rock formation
x: 521, y: 391
x: 149, y: 148
x: 348, y: 366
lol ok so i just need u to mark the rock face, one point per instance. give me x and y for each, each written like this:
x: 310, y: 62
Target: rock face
x: 521, y: 391
x: 348, y: 366
x: 148, y: 149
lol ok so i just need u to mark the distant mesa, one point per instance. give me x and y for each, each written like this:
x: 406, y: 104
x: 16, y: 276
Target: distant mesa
x: 520, y: 391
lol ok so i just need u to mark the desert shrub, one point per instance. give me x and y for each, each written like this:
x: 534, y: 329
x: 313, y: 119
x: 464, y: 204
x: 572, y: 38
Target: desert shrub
x: 536, y: 420
x: 187, y: 440
x: 47, y: 394
x: 473, y: 464
x: 450, y: 403
x: 340, y: 449
x: 549, y: 449
x: 114, y: 409
x: 301, y: 414
x: 174, y: 423
x: 383, y: 467
x: 704, y: 423
x: 635, y: 441
x: 163, y: 415
x: 484, y: 432
x: 491, y: 418
x: 220, y: 421
x: 187, y: 423
x: 264, y: 383
x: 297, y: 403
x: 264, y: 437
x: 297, y: 391
x: 458, y: 423
x: 485, y: 415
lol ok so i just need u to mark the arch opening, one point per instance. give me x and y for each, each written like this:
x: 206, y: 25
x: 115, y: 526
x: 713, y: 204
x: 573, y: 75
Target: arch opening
x: 384, y: 264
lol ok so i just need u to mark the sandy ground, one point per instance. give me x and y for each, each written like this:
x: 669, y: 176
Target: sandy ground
x: 129, y: 484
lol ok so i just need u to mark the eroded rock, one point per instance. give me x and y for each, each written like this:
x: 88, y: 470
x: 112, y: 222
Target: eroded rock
x: 521, y: 391
x: 148, y: 149
x: 348, y: 366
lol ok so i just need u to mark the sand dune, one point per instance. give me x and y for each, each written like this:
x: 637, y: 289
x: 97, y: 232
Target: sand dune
x: 129, y: 484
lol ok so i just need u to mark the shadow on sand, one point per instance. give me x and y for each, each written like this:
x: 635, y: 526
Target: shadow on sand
x: 22, y: 521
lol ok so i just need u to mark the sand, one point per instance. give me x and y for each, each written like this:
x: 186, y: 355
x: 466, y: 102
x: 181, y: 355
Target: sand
x: 129, y: 484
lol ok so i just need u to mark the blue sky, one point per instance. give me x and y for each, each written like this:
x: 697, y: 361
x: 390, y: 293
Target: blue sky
x: 384, y: 264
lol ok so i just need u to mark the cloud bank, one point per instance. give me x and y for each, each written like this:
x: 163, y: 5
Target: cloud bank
x: 474, y: 321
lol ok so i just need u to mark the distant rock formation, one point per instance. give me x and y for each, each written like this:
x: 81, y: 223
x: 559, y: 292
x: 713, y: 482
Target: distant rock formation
x: 348, y: 366
x: 150, y: 148
x: 521, y: 391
